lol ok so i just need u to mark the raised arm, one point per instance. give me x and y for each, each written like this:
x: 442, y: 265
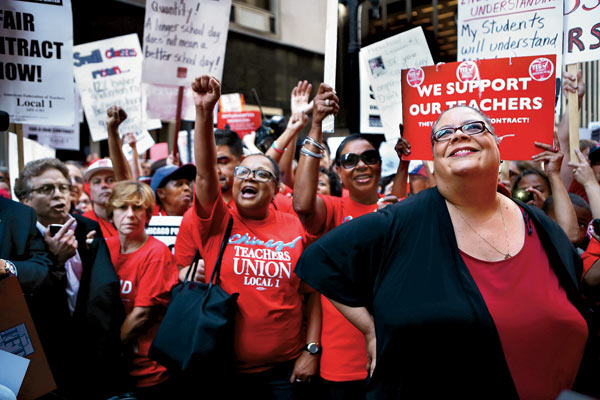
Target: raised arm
x: 563, y: 208
x: 282, y: 150
x: 134, y: 163
x: 569, y: 85
x: 399, y: 186
x: 309, y: 207
x: 116, y: 115
x: 584, y: 174
x: 207, y: 91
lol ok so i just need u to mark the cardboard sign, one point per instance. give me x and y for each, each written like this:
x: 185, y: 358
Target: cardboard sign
x: 517, y: 94
x: 35, y: 62
x: 165, y: 229
x: 18, y: 336
x: 384, y: 61
x: 582, y: 31
x: 184, y: 39
x: 509, y: 29
x: 108, y: 72
x: 242, y: 123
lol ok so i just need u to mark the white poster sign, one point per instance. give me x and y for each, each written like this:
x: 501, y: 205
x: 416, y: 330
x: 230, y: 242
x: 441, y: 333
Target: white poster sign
x: 184, y: 39
x: 35, y: 64
x: 331, y: 27
x: 161, y: 102
x: 370, y: 117
x: 165, y: 229
x: 57, y: 137
x: 31, y: 151
x: 509, y: 29
x: 143, y: 142
x: 109, y: 72
x: 384, y: 62
x: 582, y: 31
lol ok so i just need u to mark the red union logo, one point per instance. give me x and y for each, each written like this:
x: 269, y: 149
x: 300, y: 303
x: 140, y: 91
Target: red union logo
x: 467, y: 71
x: 415, y: 77
x: 541, y: 69
x: 181, y: 72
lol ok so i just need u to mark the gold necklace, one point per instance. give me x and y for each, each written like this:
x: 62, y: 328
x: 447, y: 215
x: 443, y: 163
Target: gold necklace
x: 507, y: 254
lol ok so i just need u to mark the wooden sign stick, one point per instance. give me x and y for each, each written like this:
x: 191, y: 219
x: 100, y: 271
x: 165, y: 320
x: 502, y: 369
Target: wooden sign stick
x: 573, y: 115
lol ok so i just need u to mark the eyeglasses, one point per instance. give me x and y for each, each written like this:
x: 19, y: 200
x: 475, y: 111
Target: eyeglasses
x: 261, y: 175
x: 470, y: 128
x: 369, y: 157
x: 48, y: 189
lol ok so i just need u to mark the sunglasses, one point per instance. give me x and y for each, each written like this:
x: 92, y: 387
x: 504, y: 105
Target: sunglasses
x: 470, y: 128
x: 261, y: 175
x: 350, y: 160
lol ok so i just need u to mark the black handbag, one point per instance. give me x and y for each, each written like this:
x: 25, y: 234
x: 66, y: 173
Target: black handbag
x: 197, y: 330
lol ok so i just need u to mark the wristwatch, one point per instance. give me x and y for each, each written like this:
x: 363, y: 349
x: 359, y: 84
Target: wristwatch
x: 9, y: 268
x: 313, y: 348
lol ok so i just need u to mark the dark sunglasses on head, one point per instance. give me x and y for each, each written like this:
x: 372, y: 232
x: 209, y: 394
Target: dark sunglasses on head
x: 350, y: 160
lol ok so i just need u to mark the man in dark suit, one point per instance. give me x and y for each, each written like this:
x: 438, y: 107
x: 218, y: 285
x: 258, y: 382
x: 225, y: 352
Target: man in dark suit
x: 77, y: 312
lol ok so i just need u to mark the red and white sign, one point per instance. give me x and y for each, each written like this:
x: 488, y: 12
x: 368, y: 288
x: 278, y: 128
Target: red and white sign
x: 515, y: 93
x: 415, y: 76
x: 243, y: 123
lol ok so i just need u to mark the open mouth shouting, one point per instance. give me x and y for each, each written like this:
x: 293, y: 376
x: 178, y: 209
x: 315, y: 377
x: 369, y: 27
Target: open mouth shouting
x: 249, y: 192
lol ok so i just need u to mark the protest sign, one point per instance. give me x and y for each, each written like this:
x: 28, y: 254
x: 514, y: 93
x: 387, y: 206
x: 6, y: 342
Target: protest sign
x: 143, y: 142
x: 384, y: 61
x: 495, y: 29
x: 516, y: 93
x: 242, y: 123
x: 370, y: 117
x: 35, y: 67
x: 232, y: 102
x: 582, y: 31
x: 165, y: 229
x: 184, y: 39
x: 108, y: 72
x: 331, y: 27
x: 161, y: 102
x: 31, y: 151
x: 57, y: 137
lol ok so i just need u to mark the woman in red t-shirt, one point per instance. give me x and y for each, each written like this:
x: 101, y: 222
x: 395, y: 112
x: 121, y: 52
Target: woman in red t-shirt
x: 273, y: 349
x: 147, y: 272
x: 358, y: 164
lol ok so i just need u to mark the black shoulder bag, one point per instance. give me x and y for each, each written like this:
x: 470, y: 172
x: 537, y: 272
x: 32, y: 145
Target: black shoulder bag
x: 197, y: 330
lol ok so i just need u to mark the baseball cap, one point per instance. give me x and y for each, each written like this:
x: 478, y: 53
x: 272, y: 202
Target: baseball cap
x: 594, y: 155
x: 103, y: 164
x: 171, y: 172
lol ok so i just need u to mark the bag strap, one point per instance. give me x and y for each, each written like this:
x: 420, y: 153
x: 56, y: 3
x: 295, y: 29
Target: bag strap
x: 215, y: 276
x: 193, y: 267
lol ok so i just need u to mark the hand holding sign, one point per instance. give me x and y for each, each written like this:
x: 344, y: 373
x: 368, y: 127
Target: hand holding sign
x: 572, y: 84
x: 325, y: 103
x: 207, y: 90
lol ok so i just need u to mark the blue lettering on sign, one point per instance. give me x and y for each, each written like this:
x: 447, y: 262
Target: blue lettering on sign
x: 254, y: 241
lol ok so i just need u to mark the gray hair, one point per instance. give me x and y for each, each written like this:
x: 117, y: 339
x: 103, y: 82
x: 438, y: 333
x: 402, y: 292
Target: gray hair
x: 23, y: 186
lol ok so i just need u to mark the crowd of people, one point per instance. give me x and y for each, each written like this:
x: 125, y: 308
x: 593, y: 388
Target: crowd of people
x: 463, y: 277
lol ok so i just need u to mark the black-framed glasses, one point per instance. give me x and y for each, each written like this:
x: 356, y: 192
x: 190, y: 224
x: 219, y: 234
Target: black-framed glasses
x: 261, y: 175
x: 369, y: 157
x: 49, y: 188
x: 469, y: 128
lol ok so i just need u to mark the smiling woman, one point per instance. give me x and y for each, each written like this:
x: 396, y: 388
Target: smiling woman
x: 438, y: 283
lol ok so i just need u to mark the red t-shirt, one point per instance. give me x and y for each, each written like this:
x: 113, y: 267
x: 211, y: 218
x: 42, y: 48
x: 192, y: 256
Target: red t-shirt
x: 592, y: 253
x: 258, y: 263
x: 578, y: 189
x: 108, y: 229
x: 147, y: 276
x: 344, y: 356
x: 542, y: 333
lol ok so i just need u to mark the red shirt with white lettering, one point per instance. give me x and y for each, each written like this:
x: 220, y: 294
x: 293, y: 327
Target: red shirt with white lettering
x: 147, y: 276
x: 542, y: 334
x: 344, y: 356
x: 107, y: 227
x: 258, y: 263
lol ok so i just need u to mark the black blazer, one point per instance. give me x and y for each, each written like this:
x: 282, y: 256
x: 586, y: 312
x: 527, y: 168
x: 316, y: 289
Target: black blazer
x: 84, y: 349
x: 435, y: 335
